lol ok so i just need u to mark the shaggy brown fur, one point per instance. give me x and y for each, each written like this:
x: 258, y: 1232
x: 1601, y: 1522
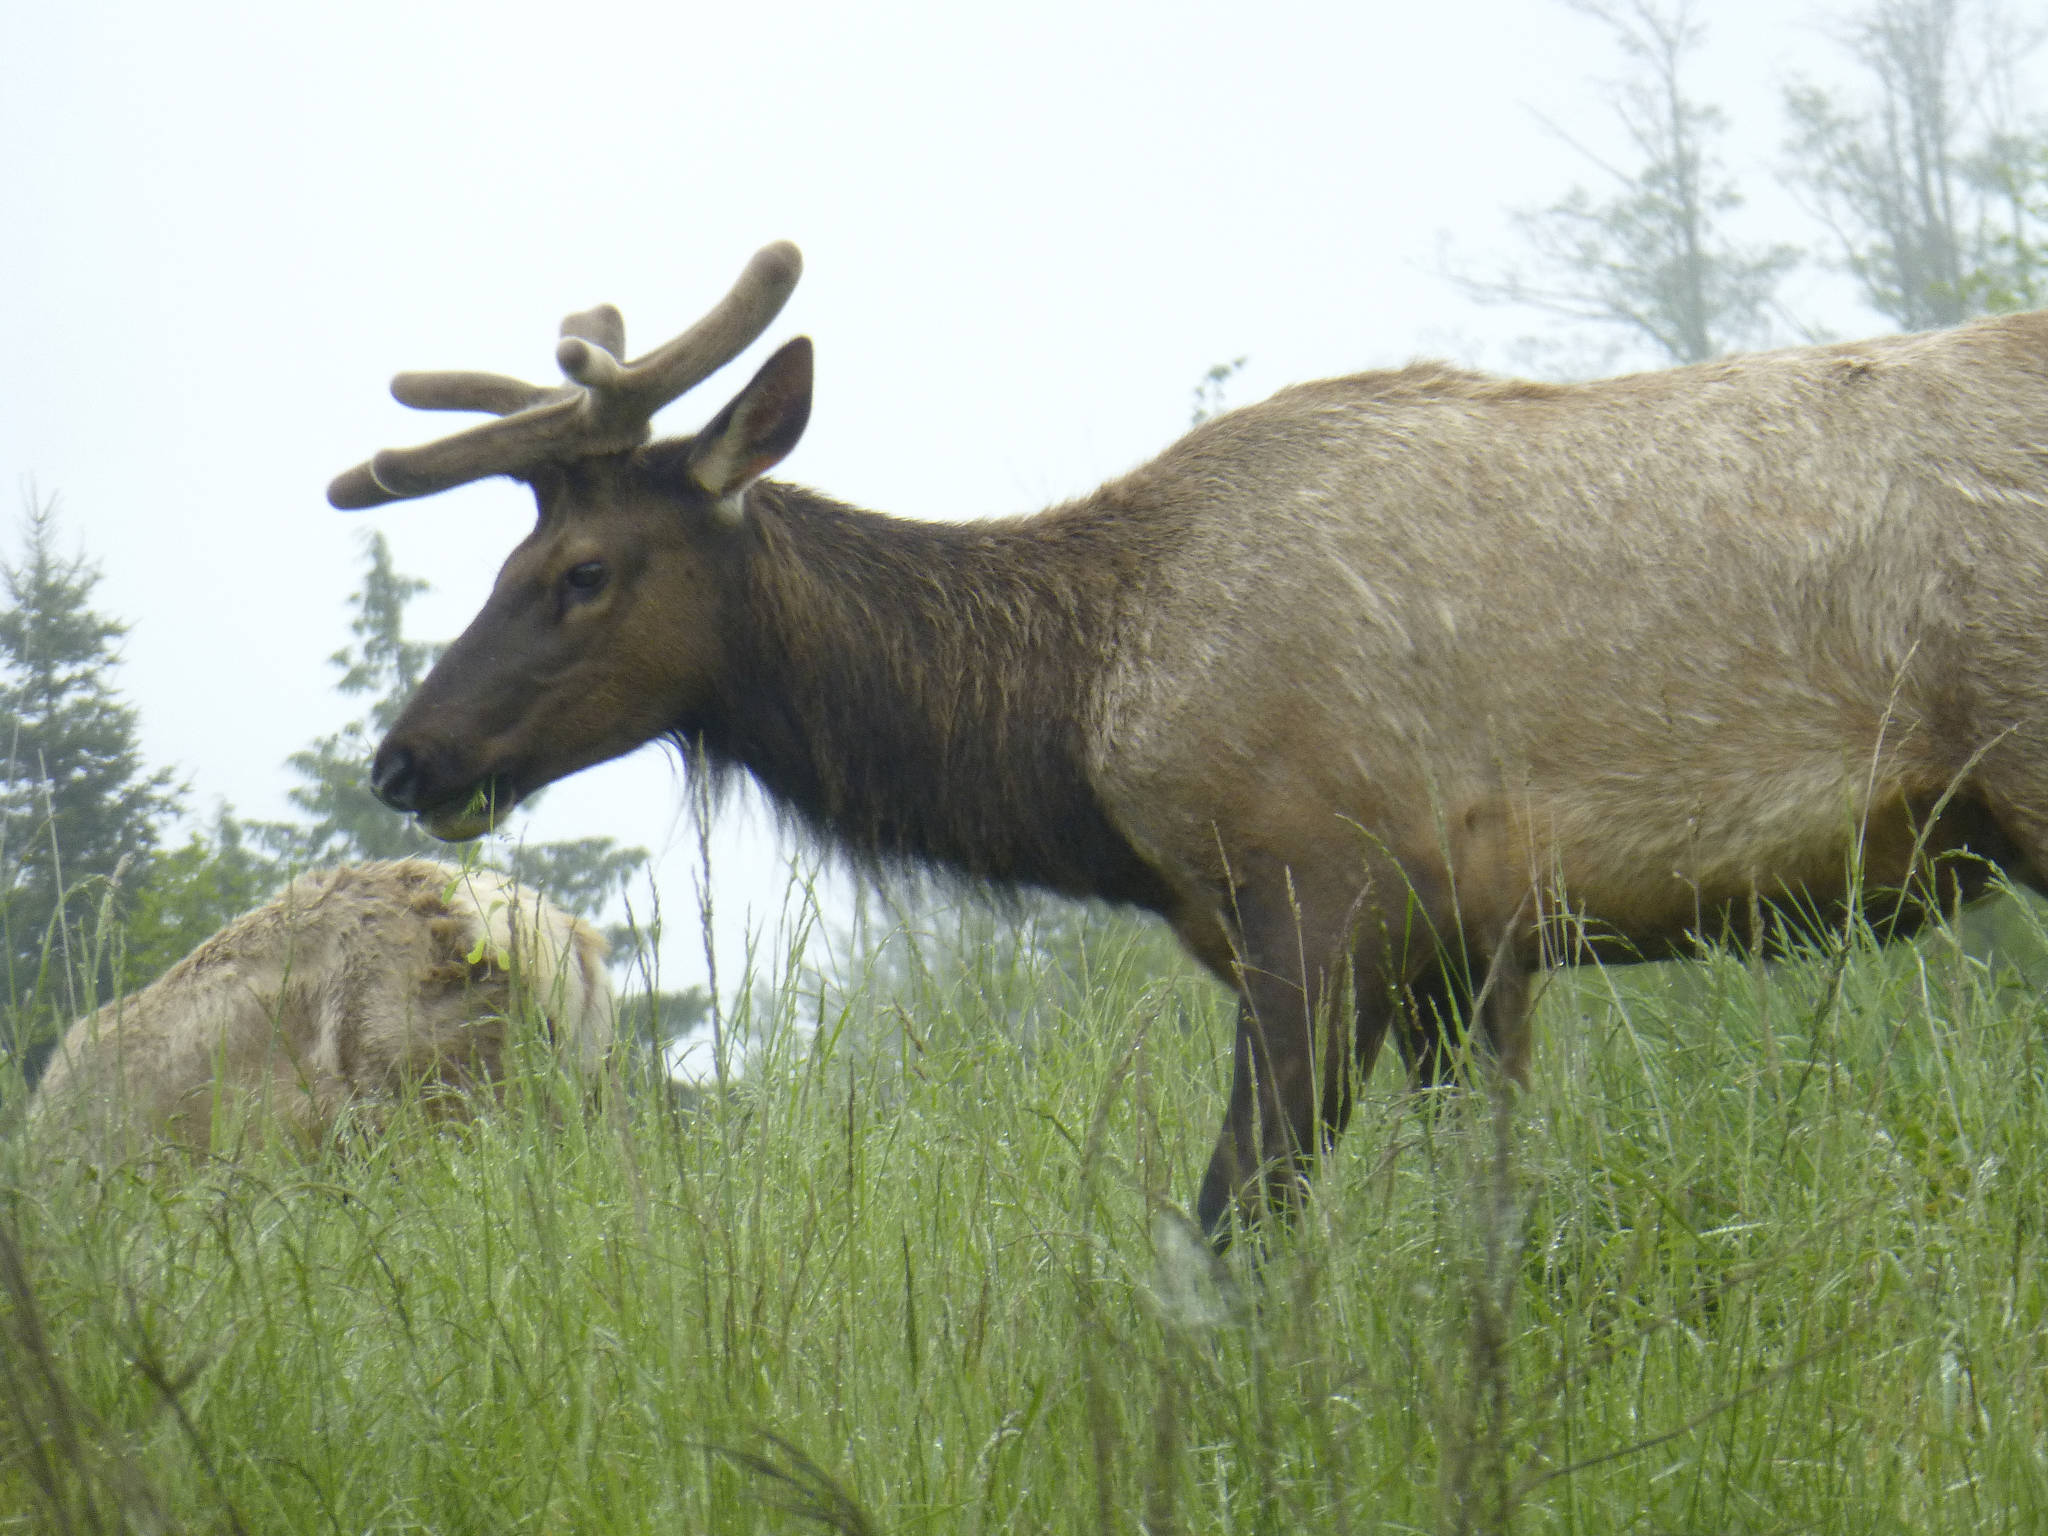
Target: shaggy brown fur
x: 352, y: 984
x: 1384, y: 692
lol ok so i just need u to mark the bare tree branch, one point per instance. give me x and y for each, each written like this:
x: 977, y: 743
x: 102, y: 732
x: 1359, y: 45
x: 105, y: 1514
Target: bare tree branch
x: 1932, y: 187
x: 1648, y: 258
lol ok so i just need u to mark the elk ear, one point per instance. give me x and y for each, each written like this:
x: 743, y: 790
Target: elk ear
x: 754, y: 433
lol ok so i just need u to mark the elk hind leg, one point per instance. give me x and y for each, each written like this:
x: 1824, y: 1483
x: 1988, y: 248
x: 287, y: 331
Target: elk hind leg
x: 1434, y: 1024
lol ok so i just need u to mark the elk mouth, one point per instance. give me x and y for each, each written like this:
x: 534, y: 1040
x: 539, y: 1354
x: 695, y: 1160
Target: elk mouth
x: 471, y: 814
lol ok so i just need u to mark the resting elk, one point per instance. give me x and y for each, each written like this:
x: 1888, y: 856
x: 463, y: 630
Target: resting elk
x: 346, y: 989
x: 1384, y: 693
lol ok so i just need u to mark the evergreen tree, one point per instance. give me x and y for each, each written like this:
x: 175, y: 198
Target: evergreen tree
x: 655, y: 1021
x: 1209, y: 390
x: 79, y: 815
x: 344, y: 819
x: 191, y: 891
x: 582, y: 874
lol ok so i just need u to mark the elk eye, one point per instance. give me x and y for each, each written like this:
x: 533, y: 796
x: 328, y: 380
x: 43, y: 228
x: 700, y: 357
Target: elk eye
x: 585, y: 580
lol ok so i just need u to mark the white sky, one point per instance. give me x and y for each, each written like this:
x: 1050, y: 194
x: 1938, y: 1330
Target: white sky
x: 1027, y: 233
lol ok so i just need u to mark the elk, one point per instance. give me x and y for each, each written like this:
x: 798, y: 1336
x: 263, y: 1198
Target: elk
x: 1384, y: 693
x: 350, y: 986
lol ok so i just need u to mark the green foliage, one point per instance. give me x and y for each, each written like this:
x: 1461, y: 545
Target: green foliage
x: 583, y: 874
x: 1758, y: 1250
x: 1208, y: 399
x: 653, y: 1020
x: 79, y: 813
x: 1931, y: 188
x: 343, y: 820
x: 2012, y: 267
x: 192, y: 890
x: 1931, y: 185
x: 1013, y: 969
x: 1649, y: 256
x: 81, y: 820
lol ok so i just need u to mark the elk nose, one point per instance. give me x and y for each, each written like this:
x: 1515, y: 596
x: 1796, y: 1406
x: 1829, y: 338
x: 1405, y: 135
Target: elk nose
x: 395, y: 777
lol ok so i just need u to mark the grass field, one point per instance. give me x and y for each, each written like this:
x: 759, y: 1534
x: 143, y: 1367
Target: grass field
x: 1761, y: 1249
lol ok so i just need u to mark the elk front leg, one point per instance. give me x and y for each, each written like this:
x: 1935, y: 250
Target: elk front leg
x: 1266, y: 1147
x: 1292, y: 1076
x: 1291, y: 1086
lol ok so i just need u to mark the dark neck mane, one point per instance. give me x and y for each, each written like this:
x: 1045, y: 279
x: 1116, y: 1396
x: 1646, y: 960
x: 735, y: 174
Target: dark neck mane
x: 915, y: 692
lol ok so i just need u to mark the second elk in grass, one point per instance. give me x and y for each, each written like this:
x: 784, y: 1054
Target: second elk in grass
x: 353, y: 987
x: 1384, y: 692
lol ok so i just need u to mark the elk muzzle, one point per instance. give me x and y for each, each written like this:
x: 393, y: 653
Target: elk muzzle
x: 451, y: 806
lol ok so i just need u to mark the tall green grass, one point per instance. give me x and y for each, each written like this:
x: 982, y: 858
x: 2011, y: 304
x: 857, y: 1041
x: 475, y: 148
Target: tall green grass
x: 1760, y: 1249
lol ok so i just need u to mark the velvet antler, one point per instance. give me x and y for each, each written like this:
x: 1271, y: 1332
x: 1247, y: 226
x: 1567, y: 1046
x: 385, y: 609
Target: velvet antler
x: 604, y: 408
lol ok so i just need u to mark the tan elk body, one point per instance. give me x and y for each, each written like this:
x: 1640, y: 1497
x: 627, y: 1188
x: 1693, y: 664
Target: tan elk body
x: 1384, y: 692
x: 351, y: 986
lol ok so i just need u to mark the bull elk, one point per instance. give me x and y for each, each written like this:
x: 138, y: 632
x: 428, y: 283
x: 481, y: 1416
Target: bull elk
x: 343, y: 990
x: 1384, y: 693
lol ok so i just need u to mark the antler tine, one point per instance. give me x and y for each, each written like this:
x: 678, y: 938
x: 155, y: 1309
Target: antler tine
x: 603, y: 325
x: 502, y: 447
x: 398, y: 474
x: 497, y: 393
x: 722, y: 335
x: 605, y: 409
x: 355, y: 489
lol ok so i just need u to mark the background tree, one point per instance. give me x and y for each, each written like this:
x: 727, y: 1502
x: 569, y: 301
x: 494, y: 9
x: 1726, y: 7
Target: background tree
x: 79, y: 813
x: 2012, y: 264
x: 216, y: 875
x: 343, y: 819
x: 81, y: 821
x: 1208, y: 400
x: 1650, y: 258
x: 1930, y: 184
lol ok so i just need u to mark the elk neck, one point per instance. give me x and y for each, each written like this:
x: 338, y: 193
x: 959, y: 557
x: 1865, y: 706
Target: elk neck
x: 919, y: 692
